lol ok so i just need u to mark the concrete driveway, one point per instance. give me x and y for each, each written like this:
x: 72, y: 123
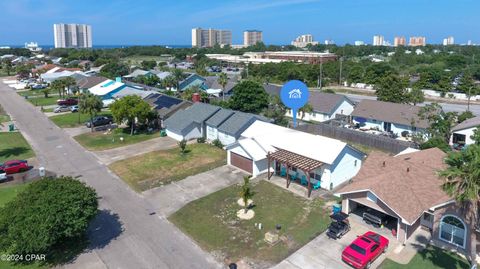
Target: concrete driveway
x: 325, y: 253
x: 170, y: 198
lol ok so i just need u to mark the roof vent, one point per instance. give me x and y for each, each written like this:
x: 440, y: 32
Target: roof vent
x: 383, y: 164
x: 408, y: 158
x: 408, y: 169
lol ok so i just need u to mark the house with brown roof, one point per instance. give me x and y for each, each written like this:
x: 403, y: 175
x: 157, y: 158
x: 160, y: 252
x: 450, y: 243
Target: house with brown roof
x: 86, y: 83
x: 407, y: 190
x: 399, y: 119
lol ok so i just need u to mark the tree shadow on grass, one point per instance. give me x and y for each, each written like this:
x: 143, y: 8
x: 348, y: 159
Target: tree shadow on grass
x: 15, y: 151
x: 443, y: 258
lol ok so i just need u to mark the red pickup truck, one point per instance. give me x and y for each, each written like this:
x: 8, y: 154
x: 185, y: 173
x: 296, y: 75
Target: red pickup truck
x: 67, y: 102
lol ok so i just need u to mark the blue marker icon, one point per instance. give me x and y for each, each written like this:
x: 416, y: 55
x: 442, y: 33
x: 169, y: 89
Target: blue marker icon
x: 294, y: 95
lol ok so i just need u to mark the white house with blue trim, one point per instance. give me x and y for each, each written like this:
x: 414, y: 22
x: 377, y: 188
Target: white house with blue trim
x: 338, y: 161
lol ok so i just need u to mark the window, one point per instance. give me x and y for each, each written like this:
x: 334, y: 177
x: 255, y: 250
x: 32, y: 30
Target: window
x: 374, y: 121
x: 355, y: 163
x: 294, y: 169
x: 452, y: 230
x: 374, y: 247
x: 318, y: 177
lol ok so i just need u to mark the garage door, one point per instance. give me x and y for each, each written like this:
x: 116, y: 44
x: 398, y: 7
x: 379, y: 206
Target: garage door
x: 241, y: 162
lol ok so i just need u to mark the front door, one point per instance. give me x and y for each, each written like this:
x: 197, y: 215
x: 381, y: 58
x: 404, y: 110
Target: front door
x: 387, y: 126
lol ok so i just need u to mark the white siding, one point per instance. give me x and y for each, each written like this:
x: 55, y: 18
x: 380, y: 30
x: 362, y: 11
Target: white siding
x: 345, y: 108
x: 395, y: 128
x: 260, y: 167
x: 212, y: 133
x: 226, y: 139
x: 345, y: 167
x: 195, y: 132
x: 175, y: 136
x: 467, y: 132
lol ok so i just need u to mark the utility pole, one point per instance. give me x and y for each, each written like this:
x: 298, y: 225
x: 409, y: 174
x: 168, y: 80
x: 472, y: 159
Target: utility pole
x: 319, y: 84
x: 340, y: 77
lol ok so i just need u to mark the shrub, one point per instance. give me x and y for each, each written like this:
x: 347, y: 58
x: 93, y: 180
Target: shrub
x: 217, y: 143
x: 201, y: 140
x: 182, y: 145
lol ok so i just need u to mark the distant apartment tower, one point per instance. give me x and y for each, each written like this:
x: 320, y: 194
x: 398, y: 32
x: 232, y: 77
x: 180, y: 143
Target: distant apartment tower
x: 378, y: 40
x: 72, y: 35
x: 359, y: 43
x: 252, y: 37
x: 204, y: 38
x: 303, y: 41
x: 329, y: 42
x: 416, y: 41
x: 448, y: 41
x: 399, y: 41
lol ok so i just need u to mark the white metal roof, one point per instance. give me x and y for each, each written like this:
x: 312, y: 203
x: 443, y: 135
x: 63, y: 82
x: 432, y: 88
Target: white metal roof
x: 253, y: 148
x: 105, y: 87
x: 268, y: 136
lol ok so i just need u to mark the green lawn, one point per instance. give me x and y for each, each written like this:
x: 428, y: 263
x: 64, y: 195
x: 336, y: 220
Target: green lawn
x: 103, y: 141
x: 14, y: 146
x: 212, y: 222
x: 42, y: 101
x: 31, y: 93
x: 430, y: 258
x: 161, y: 167
x: 4, y: 118
x: 70, y: 120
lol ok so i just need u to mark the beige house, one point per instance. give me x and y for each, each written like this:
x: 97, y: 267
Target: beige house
x: 407, y: 189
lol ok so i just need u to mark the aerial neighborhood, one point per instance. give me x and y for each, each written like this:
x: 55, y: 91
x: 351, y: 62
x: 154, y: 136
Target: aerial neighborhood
x: 250, y: 155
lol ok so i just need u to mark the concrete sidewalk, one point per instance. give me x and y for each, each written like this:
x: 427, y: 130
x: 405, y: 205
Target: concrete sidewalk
x: 116, y: 154
x: 168, y: 199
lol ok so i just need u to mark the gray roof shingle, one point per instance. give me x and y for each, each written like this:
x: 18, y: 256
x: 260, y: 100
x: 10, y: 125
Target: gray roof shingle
x: 197, y: 113
x: 237, y: 123
x: 473, y: 122
x: 326, y: 103
x: 221, y: 116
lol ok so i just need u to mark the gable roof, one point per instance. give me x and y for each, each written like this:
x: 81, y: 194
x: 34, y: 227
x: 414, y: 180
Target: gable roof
x: 326, y: 103
x: 470, y: 123
x: 220, y: 117
x: 390, y: 112
x: 237, y: 123
x: 165, y: 104
x: 212, y: 83
x: 197, y: 113
x: 105, y: 87
x: 88, y: 82
x: 136, y: 73
x: 408, y: 183
x: 189, y: 80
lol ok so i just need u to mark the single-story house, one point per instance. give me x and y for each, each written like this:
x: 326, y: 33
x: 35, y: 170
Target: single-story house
x: 461, y: 134
x: 408, y: 191
x: 264, y: 146
x: 326, y: 106
x: 214, y: 88
x: 190, y: 123
x: 191, y: 81
x: 107, y: 88
x: 136, y: 73
x: 131, y: 90
x: 227, y: 125
x: 161, y: 74
x: 86, y: 83
x: 166, y: 105
x: 389, y: 117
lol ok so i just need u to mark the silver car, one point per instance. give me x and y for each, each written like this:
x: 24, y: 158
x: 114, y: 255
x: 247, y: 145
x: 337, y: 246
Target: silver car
x: 59, y: 109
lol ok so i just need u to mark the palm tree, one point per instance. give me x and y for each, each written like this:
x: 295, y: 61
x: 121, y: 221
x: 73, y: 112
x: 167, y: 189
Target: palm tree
x: 462, y: 182
x: 178, y: 75
x: 223, y: 80
x: 90, y: 104
x: 68, y: 83
x: 246, y: 192
x: 46, y: 91
x: 58, y: 85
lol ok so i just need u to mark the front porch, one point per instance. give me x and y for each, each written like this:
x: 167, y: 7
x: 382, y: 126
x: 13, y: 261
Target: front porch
x: 294, y: 168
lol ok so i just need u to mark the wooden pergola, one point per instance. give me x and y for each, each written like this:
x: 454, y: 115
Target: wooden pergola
x: 291, y: 159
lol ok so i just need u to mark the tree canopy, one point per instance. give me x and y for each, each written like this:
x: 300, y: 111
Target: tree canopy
x: 249, y: 96
x: 131, y: 108
x: 45, y: 214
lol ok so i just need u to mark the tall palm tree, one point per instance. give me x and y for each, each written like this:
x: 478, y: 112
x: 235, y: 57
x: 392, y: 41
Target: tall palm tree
x: 58, y: 86
x: 178, y: 75
x: 462, y: 182
x: 223, y: 81
x: 90, y: 104
x: 68, y: 83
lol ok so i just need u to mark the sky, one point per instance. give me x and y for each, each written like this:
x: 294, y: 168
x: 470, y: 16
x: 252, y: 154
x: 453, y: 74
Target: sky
x: 169, y: 22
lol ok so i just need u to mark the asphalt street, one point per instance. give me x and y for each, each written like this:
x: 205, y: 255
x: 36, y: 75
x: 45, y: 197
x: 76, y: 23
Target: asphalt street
x: 126, y: 234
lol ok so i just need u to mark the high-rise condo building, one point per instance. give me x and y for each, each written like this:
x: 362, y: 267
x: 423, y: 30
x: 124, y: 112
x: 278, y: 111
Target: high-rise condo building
x: 303, y: 40
x: 378, y: 40
x: 399, y: 41
x: 252, y: 37
x: 448, y: 41
x: 210, y: 37
x: 359, y: 43
x: 72, y: 35
x: 416, y: 41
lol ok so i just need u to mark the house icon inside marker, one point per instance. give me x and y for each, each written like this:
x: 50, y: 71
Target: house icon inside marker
x: 295, y: 94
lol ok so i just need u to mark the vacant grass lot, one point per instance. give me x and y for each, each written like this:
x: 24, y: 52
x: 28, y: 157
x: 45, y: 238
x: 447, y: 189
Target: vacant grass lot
x: 212, y: 222
x: 14, y: 146
x: 161, y: 167
x: 70, y: 120
x: 42, y: 101
x: 103, y: 141
x: 430, y: 258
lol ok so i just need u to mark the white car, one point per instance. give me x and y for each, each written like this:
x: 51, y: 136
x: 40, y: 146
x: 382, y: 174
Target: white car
x: 3, y: 175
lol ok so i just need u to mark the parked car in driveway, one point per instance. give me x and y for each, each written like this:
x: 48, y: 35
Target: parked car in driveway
x: 339, y: 225
x: 14, y: 166
x: 59, y: 109
x: 363, y: 251
x: 38, y: 86
x: 3, y: 175
x: 74, y: 108
x: 99, y: 121
x: 67, y: 102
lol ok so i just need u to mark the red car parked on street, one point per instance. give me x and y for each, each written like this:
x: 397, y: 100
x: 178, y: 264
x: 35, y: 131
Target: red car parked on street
x: 14, y: 166
x: 363, y: 251
x: 67, y: 102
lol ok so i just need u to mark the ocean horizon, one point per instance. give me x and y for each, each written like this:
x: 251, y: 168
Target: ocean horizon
x: 51, y: 46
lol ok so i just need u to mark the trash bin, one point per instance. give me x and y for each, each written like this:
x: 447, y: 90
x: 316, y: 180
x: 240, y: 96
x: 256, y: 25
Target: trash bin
x: 163, y: 133
x: 11, y: 127
x: 41, y: 171
x: 337, y: 208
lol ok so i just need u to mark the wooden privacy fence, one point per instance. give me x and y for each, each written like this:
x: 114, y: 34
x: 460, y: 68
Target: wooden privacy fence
x: 376, y: 141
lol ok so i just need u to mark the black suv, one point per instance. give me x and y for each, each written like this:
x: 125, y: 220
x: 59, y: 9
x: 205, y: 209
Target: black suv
x: 339, y: 226
x: 99, y: 121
